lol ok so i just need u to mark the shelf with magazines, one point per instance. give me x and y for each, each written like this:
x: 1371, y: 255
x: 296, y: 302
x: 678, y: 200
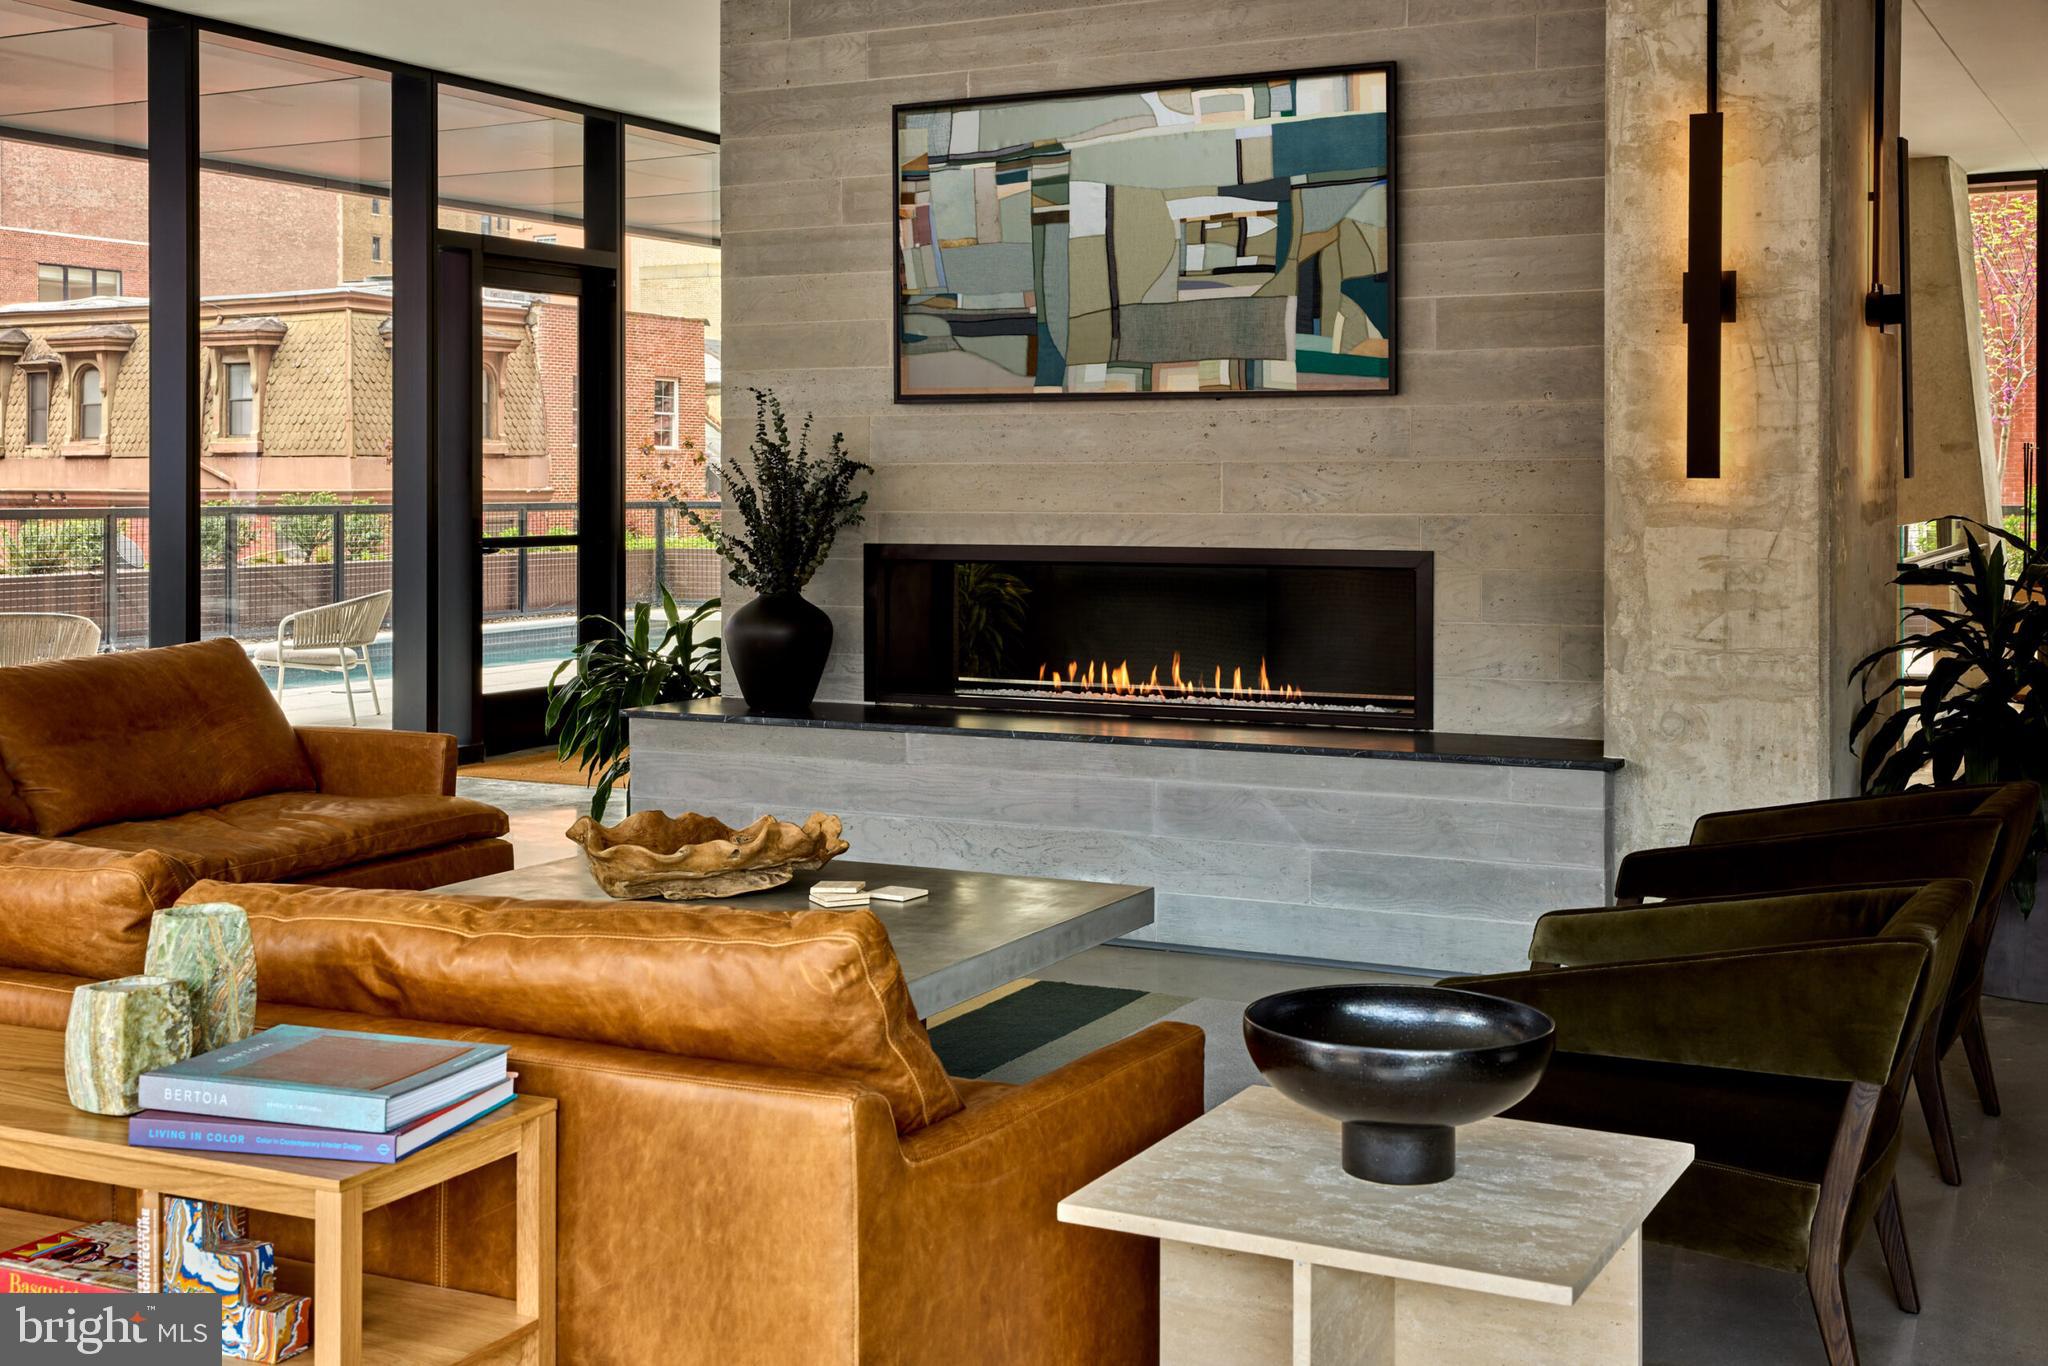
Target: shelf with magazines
x: 360, y: 1320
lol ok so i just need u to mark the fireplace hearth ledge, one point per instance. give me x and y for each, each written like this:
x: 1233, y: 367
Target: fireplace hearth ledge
x: 1512, y: 751
x: 1258, y: 839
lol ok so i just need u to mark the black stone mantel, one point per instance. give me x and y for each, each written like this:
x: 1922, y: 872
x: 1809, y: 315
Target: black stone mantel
x: 1512, y: 751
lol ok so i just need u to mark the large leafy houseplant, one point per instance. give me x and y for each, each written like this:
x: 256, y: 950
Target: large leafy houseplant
x: 1981, y: 713
x: 789, y: 507
x: 622, y: 669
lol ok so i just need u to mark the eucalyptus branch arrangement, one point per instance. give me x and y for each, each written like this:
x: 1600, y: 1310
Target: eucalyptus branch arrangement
x: 1978, y: 711
x: 791, y: 505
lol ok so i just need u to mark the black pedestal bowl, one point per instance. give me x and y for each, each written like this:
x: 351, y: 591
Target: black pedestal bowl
x: 1401, y: 1066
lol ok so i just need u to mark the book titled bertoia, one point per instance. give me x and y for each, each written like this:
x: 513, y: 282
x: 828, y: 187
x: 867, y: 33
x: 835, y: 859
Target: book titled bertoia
x: 330, y: 1078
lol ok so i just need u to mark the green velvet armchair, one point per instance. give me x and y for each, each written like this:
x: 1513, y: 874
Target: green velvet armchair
x: 1777, y: 1036
x: 1979, y: 833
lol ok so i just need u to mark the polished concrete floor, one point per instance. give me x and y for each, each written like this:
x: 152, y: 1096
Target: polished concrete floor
x: 1980, y: 1251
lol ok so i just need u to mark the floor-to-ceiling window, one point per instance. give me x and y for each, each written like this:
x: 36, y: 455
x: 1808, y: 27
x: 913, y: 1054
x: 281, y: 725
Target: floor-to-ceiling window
x: 2005, y: 221
x: 512, y: 172
x: 296, y: 453
x: 671, y: 397
x: 289, y: 449
x: 74, y: 317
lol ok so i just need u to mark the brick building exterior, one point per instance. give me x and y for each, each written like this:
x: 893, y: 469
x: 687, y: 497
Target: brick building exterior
x: 79, y: 209
x: 298, y: 292
x: 658, y: 348
x: 2012, y: 475
x: 318, y: 414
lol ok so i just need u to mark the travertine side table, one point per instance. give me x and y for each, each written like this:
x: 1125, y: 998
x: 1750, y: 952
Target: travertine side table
x: 1271, y: 1256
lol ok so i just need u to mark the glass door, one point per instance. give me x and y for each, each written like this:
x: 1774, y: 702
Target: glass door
x: 529, y: 494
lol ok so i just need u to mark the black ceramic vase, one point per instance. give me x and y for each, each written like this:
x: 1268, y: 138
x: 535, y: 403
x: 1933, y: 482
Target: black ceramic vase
x: 1401, y: 1066
x: 777, y: 646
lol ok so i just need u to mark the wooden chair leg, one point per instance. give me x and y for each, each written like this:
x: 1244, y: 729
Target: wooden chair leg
x: 1898, y: 1259
x: 1831, y: 1308
x: 1978, y: 1050
x: 1934, y: 1104
x: 1827, y: 1245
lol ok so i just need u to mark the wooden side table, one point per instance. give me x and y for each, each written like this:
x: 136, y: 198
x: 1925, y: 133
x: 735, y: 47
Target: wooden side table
x: 358, y: 1320
x: 1271, y: 1256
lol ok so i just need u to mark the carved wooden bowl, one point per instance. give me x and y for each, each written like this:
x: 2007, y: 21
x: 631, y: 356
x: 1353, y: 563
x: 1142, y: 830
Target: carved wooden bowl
x: 701, y: 858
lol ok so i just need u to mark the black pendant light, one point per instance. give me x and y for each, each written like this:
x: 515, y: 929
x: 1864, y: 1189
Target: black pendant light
x: 1709, y: 291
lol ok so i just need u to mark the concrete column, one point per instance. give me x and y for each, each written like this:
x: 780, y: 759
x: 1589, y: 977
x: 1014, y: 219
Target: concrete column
x: 1736, y: 606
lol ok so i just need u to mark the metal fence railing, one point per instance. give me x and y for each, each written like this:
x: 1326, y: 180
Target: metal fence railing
x: 263, y: 561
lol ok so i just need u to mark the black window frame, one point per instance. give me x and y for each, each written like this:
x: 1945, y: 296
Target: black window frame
x: 426, y: 523
x: 2037, y: 181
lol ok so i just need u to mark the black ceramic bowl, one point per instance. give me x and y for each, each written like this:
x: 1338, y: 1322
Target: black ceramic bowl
x: 1401, y: 1066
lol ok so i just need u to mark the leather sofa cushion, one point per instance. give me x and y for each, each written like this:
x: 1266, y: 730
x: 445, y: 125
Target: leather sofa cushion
x: 69, y: 909
x: 808, y: 991
x: 121, y: 737
x: 15, y: 817
x: 290, y: 835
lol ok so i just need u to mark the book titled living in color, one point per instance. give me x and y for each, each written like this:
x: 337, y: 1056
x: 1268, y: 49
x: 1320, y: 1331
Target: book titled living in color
x: 326, y: 1078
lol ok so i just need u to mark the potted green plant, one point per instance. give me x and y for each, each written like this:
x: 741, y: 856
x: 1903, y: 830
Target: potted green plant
x: 1978, y: 711
x: 620, y: 670
x: 791, y: 507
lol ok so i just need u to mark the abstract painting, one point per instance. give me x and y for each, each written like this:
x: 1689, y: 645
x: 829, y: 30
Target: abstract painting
x: 1221, y: 237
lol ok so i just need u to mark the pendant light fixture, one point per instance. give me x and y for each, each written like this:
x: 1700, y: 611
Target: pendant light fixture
x: 1708, y: 298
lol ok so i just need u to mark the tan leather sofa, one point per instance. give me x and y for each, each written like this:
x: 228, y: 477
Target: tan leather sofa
x: 760, y: 1158
x: 185, y: 752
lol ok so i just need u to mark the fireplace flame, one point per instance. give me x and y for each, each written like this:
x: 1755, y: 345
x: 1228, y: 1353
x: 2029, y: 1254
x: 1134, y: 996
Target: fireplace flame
x: 1101, y: 676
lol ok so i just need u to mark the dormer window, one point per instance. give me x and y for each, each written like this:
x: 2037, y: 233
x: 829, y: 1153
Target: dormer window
x: 241, y: 350
x: 90, y: 421
x: 91, y: 357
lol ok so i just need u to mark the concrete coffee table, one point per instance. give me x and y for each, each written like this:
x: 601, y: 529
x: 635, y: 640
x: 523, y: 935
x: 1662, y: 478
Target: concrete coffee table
x: 974, y: 933
x: 1270, y: 1255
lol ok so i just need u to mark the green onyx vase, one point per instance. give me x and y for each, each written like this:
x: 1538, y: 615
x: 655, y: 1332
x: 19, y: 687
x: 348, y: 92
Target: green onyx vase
x: 207, y: 947
x: 119, y: 1030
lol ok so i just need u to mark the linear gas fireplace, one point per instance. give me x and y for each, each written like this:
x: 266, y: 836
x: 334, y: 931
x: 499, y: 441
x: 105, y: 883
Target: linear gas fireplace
x: 1327, y: 637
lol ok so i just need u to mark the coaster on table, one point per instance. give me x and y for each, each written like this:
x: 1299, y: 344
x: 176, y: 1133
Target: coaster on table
x: 840, y: 903
x: 837, y: 888
x: 898, y: 893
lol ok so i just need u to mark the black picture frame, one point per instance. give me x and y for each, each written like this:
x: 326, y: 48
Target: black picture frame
x: 1389, y: 69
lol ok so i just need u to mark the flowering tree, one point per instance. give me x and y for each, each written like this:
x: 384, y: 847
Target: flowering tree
x: 2004, y: 229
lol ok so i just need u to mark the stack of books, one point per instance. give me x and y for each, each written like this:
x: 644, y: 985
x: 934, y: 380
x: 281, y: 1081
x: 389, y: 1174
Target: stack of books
x: 291, y: 1091
x: 840, y: 896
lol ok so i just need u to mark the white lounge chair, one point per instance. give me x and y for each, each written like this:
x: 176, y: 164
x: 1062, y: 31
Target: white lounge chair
x: 333, y: 639
x: 26, y: 637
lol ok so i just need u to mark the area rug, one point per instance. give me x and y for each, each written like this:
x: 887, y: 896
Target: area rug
x: 529, y: 766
